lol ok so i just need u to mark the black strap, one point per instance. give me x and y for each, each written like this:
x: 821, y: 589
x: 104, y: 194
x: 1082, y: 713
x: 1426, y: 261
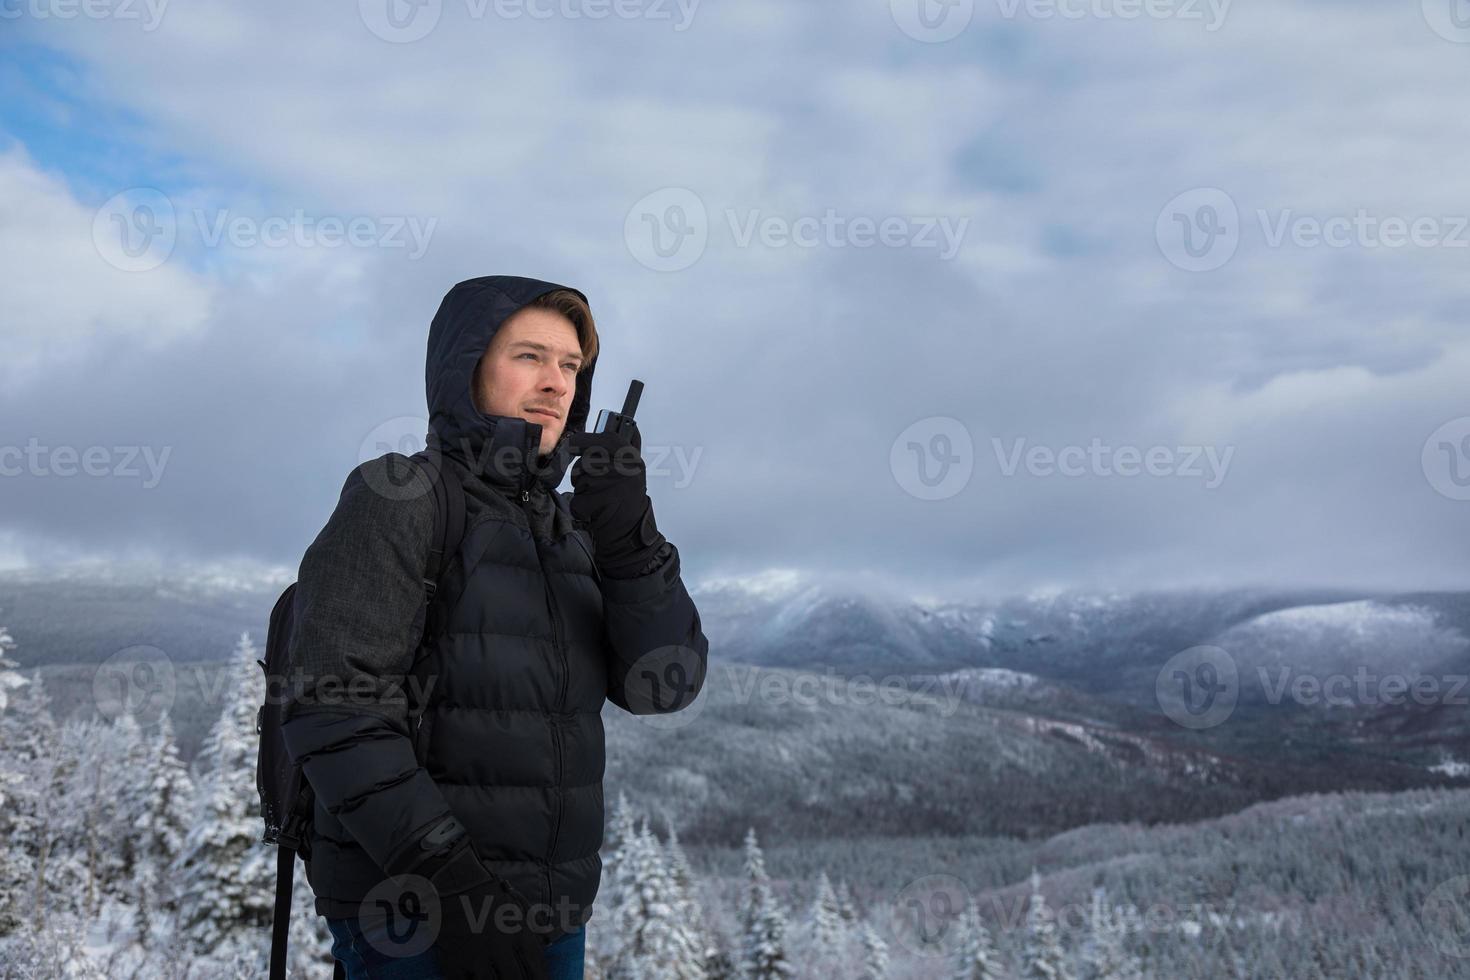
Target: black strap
x: 449, y: 516
x: 281, y: 923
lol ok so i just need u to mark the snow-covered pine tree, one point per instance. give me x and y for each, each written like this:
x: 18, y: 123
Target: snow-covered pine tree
x: 53, y: 949
x: 162, y: 827
x: 228, y: 876
x: 129, y: 787
x: 604, y: 946
x: 691, y: 912
x: 976, y: 958
x: 27, y: 753
x: 620, y: 832
x: 19, y: 793
x: 763, y: 948
x: 657, y: 941
x: 825, y: 929
x: 96, y: 788
x: 846, y: 904
x: 1105, y: 957
x: 62, y: 874
x: 1043, y: 957
x: 10, y: 678
x: 875, y: 954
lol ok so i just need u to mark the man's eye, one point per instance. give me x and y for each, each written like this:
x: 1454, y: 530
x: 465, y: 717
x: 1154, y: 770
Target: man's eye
x: 528, y: 354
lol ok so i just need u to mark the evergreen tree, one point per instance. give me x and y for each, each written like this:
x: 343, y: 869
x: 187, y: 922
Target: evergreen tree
x: 691, y: 911
x: 875, y: 955
x: 62, y: 872
x: 825, y: 929
x: 53, y: 949
x: 846, y: 904
x: 130, y: 789
x: 620, y: 832
x: 1105, y: 957
x: 228, y: 876
x: 162, y: 826
x: 1043, y: 958
x: 976, y: 958
x: 763, y: 948
x: 9, y: 678
x: 27, y: 750
x: 657, y: 941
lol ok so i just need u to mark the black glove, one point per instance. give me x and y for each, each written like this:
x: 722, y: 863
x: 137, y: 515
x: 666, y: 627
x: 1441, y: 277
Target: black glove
x: 484, y: 924
x: 610, y: 495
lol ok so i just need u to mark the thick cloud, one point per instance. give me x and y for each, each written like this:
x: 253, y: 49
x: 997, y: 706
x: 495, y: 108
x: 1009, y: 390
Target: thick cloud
x: 1033, y: 292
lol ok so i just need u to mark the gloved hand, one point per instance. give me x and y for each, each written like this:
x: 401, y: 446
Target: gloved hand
x: 610, y: 494
x: 484, y: 923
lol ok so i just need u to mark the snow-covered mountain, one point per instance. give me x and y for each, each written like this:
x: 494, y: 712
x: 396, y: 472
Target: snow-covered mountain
x: 1061, y: 684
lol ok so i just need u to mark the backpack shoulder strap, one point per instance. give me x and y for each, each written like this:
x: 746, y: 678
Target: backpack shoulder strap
x: 449, y: 515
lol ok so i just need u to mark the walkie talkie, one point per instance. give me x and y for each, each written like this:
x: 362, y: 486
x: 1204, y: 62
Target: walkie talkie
x: 610, y: 421
x: 647, y: 534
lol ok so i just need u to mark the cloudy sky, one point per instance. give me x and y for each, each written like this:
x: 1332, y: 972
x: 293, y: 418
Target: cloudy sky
x: 991, y: 297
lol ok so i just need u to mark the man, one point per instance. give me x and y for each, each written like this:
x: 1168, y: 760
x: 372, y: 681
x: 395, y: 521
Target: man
x: 459, y: 786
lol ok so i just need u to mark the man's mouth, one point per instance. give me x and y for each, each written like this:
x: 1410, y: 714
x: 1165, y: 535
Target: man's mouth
x: 542, y: 411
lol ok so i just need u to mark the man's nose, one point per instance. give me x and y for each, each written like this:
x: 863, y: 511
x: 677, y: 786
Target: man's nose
x: 552, y: 382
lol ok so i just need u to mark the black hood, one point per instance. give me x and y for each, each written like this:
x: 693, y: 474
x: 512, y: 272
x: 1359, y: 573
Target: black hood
x: 500, y: 449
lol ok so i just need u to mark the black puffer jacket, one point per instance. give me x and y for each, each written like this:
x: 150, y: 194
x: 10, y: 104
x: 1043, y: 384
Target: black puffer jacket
x: 496, y: 720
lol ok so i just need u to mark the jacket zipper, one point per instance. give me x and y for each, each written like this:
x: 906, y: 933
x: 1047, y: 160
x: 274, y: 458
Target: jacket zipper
x: 565, y: 669
x: 556, y: 725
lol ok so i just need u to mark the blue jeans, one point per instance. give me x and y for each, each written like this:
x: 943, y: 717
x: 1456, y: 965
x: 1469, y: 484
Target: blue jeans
x: 364, y: 958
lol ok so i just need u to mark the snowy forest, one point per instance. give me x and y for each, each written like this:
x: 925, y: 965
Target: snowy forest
x: 118, y: 859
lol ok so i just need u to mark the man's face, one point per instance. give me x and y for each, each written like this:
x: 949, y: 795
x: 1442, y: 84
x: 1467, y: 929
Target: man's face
x: 531, y: 364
